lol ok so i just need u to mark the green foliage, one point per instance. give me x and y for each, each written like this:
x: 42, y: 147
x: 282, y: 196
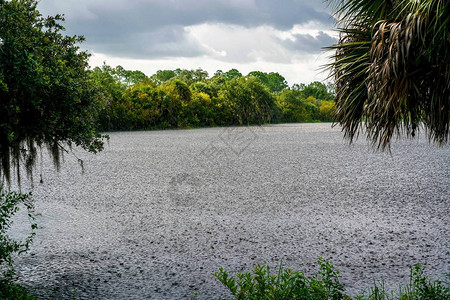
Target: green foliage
x: 423, y: 288
x: 249, y: 100
x: 176, y: 96
x: 324, y: 285
x: 109, y: 92
x: 162, y: 76
x: 9, y: 206
x: 295, y: 108
x: 420, y: 287
x: 188, y: 98
x: 192, y: 76
x: 199, y: 110
x: 273, y: 81
x: 46, y: 95
x: 286, y: 284
x: 327, y: 110
x: 11, y: 291
x: 317, y: 90
x: 392, y: 68
x: 129, y: 77
x: 139, y: 107
x: 232, y: 74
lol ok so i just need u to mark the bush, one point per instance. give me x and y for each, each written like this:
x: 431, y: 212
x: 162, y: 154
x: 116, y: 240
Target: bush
x: 327, y: 110
x: 324, y: 285
x: 419, y: 288
x: 9, y: 205
x: 287, y: 284
x: 10, y: 291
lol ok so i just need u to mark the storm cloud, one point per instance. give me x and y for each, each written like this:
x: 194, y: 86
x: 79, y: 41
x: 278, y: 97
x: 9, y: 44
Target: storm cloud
x: 309, y: 43
x: 149, y: 29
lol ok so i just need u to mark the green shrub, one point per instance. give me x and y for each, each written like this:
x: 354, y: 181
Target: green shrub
x: 324, y: 285
x: 9, y: 205
x: 11, y: 291
x: 286, y: 284
x: 420, y: 287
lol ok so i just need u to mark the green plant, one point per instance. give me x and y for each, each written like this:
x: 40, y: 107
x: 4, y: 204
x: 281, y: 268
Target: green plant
x: 324, y: 285
x: 286, y: 284
x: 9, y: 206
x: 424, y: 288
x: 420, y: 287
x: 47, y: 97
x: 11, y: 291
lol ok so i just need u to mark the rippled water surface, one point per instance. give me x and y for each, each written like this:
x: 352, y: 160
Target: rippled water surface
x: 156, y: 213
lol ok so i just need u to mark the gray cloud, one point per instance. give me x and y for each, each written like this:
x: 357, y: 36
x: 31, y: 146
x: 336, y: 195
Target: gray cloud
x: 154, y: 28
x: 309, y: 43
x: 168, y: 41
x: 287, y: 13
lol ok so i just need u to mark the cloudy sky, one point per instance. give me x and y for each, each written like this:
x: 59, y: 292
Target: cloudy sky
x: 282, y: 36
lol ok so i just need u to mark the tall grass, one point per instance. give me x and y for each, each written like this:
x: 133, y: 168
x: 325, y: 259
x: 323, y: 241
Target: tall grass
x: 324, y: 285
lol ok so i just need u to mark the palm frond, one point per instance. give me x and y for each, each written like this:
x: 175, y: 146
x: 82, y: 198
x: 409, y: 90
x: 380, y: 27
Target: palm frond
x: 391, y: 67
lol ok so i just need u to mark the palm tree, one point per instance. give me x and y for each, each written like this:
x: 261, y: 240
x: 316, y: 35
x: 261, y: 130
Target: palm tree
x: 392, y: 68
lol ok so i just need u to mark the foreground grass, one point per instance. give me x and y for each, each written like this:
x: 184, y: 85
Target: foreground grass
x: 12, y: 291
x: 324, y: 285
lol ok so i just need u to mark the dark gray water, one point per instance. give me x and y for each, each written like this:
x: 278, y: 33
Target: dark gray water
x: 156, y: 213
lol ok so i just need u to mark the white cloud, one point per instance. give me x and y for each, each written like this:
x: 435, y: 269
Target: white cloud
x: 241, y: 44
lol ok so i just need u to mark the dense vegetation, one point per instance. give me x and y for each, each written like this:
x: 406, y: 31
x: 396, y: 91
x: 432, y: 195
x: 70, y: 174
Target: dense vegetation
x: 287, y: 284
x: 179, y: 98
x: 45, y: 91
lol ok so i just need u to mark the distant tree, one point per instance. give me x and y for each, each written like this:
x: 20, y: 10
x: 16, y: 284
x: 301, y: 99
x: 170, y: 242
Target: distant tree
x: 295, y: 108
x: 327, y: 110
x: 274, y: 81
x: 217, y: 81
x: 183, y: 98
x: 162, y: 76
x: 192, y: 76
x: 203, y: 87
x: 231, y: 74
x: 260, y: 75
x: 392, y: 68
x: 178, y: 71
x: 219, y: 73
x: 175, y: 100
x: 199, y: 110
x: 129, y: 77
x: 298, y: 86
x: 317, y: 90
x: 200, y: 75
x: 249, y: 100
x: 144, y: 102
x: 109, y: 93
x: 45, y: 91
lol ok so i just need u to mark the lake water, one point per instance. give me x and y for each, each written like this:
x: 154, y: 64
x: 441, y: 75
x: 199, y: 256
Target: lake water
x: 157, y: 212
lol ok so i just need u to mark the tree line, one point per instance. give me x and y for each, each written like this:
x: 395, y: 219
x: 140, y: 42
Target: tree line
x: 181, y: 98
